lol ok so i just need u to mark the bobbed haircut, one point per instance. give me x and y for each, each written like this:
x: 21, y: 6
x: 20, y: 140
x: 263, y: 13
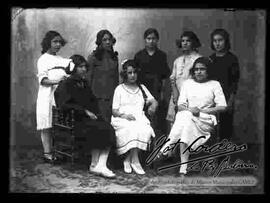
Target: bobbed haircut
x: 225, y: 35
x: 77, y: 60
x: 195, y: 42
x: 46, y: 41
x: 126, y: 64
x: 101, y: 34
x: 151, y: 31
x: 208, y: 64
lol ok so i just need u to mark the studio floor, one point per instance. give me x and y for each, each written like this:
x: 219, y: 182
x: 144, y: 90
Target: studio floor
x: 29, y: 174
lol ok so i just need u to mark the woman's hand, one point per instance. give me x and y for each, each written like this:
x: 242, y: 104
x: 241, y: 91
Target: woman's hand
x: 195, y: 111
x: 129, y: 117
x: 172, y: 80
x: 230, y: 103
x: 91, y: 115
x: 151, y: 110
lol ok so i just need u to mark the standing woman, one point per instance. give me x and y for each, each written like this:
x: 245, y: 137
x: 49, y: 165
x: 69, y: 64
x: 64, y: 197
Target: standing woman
x: 154, y: 70
x: 189, y: 43
x: 51, y: 44
x: 227, y: 72
x: 104, y: 75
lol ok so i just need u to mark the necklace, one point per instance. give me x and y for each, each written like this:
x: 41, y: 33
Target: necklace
x: 129, y: 90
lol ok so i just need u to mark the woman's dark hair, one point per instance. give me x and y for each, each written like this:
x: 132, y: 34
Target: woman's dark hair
x: 46, y: 42
x: 150, y: 31
x: 195, y: 42
x: 77, y: 60
x: 208, y: 64
x: 98, y: 53
x: 225, y: 35
x: 123, y: 72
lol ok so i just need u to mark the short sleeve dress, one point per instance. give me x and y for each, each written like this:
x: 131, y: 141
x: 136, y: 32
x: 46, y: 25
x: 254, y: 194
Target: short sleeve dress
x: 45, y: 97
x: 131, y: 134
x: 180, y: 73
x: 187, y: 127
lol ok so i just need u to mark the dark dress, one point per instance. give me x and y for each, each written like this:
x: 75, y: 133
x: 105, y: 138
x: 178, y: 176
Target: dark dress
x: 153, y: 69
x: 226, y: 70
x: 75, y: 93
x: 104, y: 78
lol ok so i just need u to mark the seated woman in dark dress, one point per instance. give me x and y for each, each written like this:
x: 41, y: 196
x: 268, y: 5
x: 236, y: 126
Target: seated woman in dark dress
x: 75, y: 93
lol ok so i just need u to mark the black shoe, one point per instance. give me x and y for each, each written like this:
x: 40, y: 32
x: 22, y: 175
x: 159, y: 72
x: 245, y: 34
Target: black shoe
x: 160, y: 156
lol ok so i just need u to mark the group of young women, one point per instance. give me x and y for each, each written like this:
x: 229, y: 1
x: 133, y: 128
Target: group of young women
x: 126, y: 117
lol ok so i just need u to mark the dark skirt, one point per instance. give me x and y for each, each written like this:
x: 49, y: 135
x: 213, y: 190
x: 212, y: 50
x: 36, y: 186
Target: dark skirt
x: 94, y: 134
x: 105, y: 108
x: 226, y: 125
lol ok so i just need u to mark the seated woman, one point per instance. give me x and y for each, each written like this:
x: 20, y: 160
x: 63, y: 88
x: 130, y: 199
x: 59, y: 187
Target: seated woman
x: 75, y: 93
x: 200, y: 99
x: 132, y: 127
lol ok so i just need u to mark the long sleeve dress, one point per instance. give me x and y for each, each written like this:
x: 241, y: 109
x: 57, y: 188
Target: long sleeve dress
x: 227, y: 71
x: 180, y: 73
x: 131, y: 134
x: 187, y: 127
x: 103, y: 76
x: 75, y: 93
x: 153, y: 69
x: 45, y: 99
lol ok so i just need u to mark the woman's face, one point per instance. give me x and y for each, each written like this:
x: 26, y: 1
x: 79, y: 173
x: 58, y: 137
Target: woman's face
x: 106, y: 42
x: 81, y: 69
x: 56, y: 45
x: 151, y: 41
x: 219, y: 42
x: 131, y: 75
x: 186, y: 43
x: 200, y: 72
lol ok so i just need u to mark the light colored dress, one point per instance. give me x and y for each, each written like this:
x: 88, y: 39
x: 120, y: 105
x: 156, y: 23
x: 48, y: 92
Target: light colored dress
x: 45, y: 98
x: 131, y: 134
x: 187, y: 127
x: 180, y: 73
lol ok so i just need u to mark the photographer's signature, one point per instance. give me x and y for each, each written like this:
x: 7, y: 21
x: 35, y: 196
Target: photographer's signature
x: 209, y: 163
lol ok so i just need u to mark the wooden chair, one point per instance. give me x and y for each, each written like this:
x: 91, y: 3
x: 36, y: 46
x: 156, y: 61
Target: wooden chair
x: 63, y: 133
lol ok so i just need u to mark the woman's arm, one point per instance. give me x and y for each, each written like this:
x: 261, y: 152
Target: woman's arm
x: 116, y: 113
x: 194, y: 110
x: 47, y: 82
x: 152, y: 106
x: 219, y: 99
x: 175, y: 93
x: 214, y: 110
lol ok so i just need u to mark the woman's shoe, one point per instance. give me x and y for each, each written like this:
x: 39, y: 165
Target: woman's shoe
x: 160, y: 156
x: 94, y: 170
x: 137, y: 168
x: 182, y: 172
x: 49, y: 158
x: 105, y: 172
x: 127, y: 167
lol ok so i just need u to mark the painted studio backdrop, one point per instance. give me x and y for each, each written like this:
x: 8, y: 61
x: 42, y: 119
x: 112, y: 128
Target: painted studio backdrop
x: 80, y: 26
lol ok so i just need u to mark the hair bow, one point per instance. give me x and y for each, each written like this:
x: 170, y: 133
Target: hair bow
x: 124, y: 61
x: 71, y: 66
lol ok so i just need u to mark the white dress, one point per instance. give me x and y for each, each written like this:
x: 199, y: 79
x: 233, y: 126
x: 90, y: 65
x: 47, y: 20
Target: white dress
x: 131, y: 134
x: 187, y: 127
x: 45, y: 98
x: 180, y: 73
